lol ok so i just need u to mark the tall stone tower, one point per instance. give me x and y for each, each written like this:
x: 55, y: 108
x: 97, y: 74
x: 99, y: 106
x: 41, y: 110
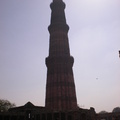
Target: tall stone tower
x: 60, y: 87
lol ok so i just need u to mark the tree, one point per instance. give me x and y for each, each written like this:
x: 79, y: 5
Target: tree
x: 103, y: 112
x: 116, y: 109
x: 5, y: 105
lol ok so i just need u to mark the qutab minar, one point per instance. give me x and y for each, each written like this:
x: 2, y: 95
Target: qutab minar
x: 60, y: 87
x: 61, y: 102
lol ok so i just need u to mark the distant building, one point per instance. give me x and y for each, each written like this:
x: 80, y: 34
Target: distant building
x: 31, y: 112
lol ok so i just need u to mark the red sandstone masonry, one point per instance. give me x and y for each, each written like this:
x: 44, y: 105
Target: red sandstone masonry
x: 60, y: 88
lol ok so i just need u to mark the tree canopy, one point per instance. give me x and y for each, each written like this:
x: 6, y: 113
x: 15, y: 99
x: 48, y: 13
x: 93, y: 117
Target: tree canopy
x: 116, y: 109
x: 5, y: 105
x: 103, y: 112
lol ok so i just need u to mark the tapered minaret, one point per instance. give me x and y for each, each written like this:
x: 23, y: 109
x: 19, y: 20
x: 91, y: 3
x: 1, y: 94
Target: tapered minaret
x: 60, y: 87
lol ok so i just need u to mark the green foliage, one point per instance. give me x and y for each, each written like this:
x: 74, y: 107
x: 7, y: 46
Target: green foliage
x: 5, y: 105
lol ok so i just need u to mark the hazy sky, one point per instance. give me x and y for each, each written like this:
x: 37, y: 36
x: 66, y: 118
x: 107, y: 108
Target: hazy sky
x: 94, y: 39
